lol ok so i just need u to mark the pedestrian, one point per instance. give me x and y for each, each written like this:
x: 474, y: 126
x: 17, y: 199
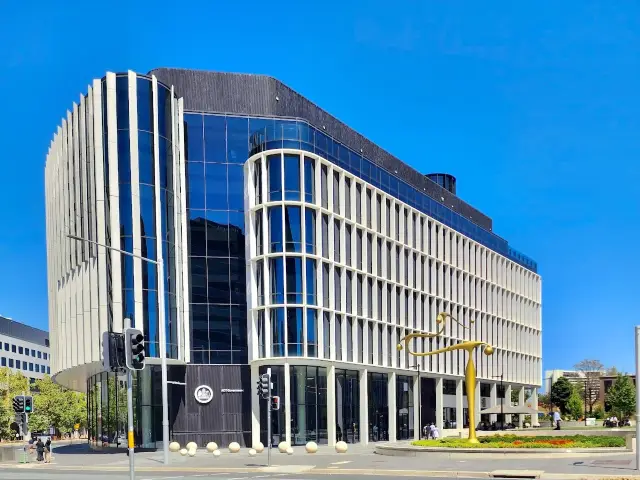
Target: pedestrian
x: 40, y: 449
x: 556, y: 420
x: 47, y: 451
x: 435, y: 434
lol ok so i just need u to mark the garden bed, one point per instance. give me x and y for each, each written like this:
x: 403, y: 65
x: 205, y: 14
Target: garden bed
x: 521, y: 441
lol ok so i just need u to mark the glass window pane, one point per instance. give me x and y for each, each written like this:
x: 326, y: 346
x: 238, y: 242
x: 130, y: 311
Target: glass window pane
x: 292, y: 228
x: 215, y: 145
x: 275, y: 177
x: 277, y: 331
x: 275, y: 229
x: 291, y: 177
x: 294, y: 332
x: 216, y: 186
x: 294, y: 279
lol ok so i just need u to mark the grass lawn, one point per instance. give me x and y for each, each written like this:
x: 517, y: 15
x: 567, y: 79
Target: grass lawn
x: 520, y: 441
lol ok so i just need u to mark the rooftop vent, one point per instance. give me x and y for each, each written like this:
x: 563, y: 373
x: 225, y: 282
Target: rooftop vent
x: 446, y: 181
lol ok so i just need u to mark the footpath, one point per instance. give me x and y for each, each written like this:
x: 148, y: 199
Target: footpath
x: 359, y: 460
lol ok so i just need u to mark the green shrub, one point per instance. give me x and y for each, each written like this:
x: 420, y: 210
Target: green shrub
x: 521, y: 441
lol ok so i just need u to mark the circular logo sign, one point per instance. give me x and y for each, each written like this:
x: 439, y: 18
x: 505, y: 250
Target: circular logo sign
x: 203, y: 394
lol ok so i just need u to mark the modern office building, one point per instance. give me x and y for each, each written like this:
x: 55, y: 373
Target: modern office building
x: 24, y: 349
x: 280, y: 238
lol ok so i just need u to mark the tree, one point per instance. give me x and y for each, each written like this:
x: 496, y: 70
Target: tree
x: 544, y: 401
x: 574, y: 406
x: 612, y: 372
x: 592, y: 370
x: 11, y: 384
x: 58, y: 407
x: 560, y: 394
x: 622, y: 397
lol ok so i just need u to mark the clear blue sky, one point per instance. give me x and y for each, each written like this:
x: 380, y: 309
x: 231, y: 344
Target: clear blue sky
x: 535, y: 110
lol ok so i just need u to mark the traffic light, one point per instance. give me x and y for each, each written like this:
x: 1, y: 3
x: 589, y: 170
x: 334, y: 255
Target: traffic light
x: 264, y: 385
x: 113, y: 354
x: 134, y: 349
x: 28, y: 404
x: 18, y: 404
x: 275, y: 403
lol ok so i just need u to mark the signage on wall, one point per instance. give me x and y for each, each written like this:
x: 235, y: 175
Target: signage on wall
x: 203, y: 394
x: 232, y: 390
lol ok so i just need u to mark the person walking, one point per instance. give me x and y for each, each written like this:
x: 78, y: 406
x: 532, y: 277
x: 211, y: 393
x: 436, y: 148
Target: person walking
x: 40, y: 450
x: 556, y: 420
x: 47, y: 451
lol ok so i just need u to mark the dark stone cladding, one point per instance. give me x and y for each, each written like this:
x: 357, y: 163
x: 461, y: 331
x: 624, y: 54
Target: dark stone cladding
x: 20, y: 331
x: 248, y: 94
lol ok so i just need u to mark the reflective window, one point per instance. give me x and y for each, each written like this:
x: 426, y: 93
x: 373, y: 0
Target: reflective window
x: 310, y: 230
x: 237, y: 139
x: 215, y: 144
x: 308, y: 405
x: 347, y: 406
x: 277, y: 332
x: 309, y: 177
x: 275, y: 177
x: 294, y: 279
x: 276, y: 272
x: 292, y: 229
x: 295, y: 342
x: 144, y: 96
x: 311, y: 281
x: 312, y: 332
x: 378, y: 406
x: 236, y: 187
x: 216, y: 186
x: 275, y: 229
x: 291, y: 177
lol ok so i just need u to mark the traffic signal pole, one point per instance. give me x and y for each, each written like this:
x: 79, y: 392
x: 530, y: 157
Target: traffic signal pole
x: 130, y: 442
x: 269, y: 420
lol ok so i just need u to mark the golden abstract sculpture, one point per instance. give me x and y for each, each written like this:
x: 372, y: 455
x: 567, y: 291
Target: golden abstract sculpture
x: 470, y: 372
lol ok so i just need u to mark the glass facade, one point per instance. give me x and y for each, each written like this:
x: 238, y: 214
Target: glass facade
x: 107, y: 409
x: 347, y: 406
x: 404, y: 407
x: 300, y: 135
x: 378, y: 407
x: 308, y: 405
x: 148, y: 193
x: 216, y: 148
x: 291, y: 286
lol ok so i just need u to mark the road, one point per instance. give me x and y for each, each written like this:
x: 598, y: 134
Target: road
x: 42, y: 474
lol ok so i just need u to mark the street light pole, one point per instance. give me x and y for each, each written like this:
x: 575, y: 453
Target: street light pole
x: 417, y: 367
x: 637, y: 396
x: 161, y: 334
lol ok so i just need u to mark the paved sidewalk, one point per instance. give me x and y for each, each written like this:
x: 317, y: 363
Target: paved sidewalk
x: 358, y: 461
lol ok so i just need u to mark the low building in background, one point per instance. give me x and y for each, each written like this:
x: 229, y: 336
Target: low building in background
x: 24, y: 349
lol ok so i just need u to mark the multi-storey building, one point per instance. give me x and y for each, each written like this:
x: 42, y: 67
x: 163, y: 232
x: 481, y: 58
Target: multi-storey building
x: 282, y: 239
x: 24, y: 349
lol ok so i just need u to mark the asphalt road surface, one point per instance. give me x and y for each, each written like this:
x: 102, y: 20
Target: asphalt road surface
x: 42, y: 474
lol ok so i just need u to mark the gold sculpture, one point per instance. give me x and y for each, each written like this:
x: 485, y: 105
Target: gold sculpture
x: 470, y: 372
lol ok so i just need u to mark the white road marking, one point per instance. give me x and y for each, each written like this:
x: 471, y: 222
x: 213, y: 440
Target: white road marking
x: 341, y: 463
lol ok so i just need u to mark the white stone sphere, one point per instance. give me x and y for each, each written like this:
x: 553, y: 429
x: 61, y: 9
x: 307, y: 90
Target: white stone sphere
x: 341, y: 447
x: 216, y: 453
x: 252, y: 453
x: 311, y: 447
x: 282, y: 446
x: 174, y: 447
x: 289, y: 451
x: 212, y: 447
x: 258, y: 447
x: 234, y: 447
x: 183, y: 451
x: 192, y: 453
x: 192, y: 446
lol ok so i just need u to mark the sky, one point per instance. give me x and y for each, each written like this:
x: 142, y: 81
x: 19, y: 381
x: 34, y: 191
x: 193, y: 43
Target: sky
x: 533, y: 106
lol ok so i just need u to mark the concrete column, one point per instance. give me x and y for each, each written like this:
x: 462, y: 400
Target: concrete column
x: 364, y: 407
x: 417, y: 423
x: 534, y: 404
x: 439, y: 404
x: 392, y: 410
x: 331, y: 406
x: 287, y: 404
x: 255, y: 407
x: 521, y: 403
x: 507, y: 402
x: 478, y: 401
x: 493, y: 401
x: 459, y: 404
